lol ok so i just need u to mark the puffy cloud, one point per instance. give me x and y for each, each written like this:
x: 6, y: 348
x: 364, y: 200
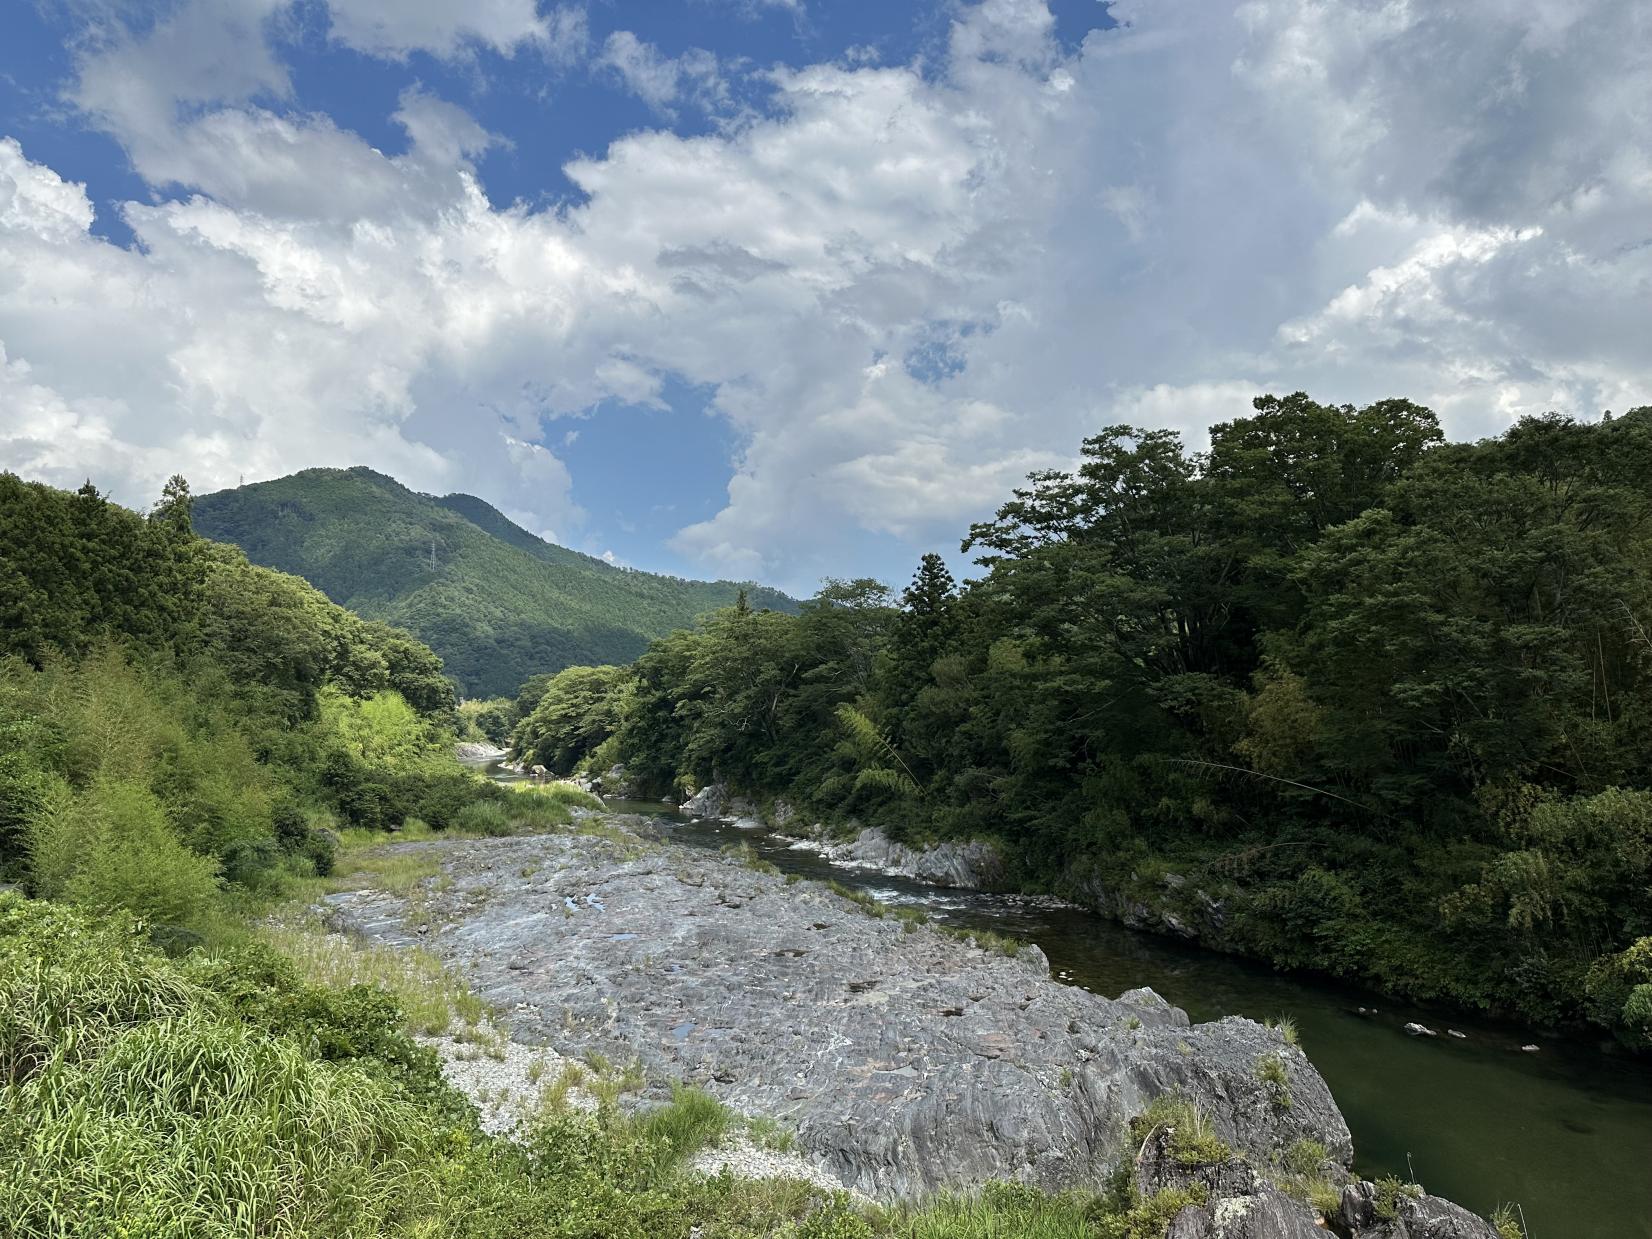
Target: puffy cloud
x: 397, y: 27
x: 903, y: 286
x: 660, y: 80
x: 36, y: 201
x: 232, y: 344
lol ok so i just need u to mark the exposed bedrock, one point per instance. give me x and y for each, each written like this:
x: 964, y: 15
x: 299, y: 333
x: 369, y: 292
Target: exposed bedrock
x: 904, y: 1059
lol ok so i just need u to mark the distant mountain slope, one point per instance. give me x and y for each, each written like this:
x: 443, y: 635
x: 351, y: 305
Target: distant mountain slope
x: 497, y: 603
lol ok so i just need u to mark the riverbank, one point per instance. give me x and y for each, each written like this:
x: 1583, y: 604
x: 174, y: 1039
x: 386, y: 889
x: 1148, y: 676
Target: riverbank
x: 902, y: 1059
x: 1566, y: 1132
x: 1173, y: 905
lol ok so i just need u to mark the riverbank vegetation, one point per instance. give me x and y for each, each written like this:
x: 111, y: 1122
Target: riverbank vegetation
x: 1333, y: 693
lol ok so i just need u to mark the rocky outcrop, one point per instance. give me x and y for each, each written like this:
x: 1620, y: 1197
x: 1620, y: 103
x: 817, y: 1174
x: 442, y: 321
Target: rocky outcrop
x: 1407, y: 1215
x: 975, y: 865
x: 615, y: 784
x: 1175, y: 908
x: 904, y: 1059
x: 478, y: 752
x: 1241, y: 1203
x: 709, y: 801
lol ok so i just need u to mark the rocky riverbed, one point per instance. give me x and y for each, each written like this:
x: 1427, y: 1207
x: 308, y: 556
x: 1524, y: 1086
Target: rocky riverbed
x: 904, y: 1059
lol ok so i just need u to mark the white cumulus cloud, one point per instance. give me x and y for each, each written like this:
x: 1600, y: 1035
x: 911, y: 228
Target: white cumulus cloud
x: 903, y: 286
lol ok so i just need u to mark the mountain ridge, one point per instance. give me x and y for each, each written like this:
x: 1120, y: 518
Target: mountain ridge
x: 496, y: 602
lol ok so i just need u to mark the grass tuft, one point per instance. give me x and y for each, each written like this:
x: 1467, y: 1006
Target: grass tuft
x: 1271, y: 1070
x: 1193, y: 1141
x: 1285, y: 1026
x: 433, y: 1000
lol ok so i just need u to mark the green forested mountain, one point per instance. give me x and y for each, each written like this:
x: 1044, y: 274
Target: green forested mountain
x: 1334, y: 693
x: 497, y: 603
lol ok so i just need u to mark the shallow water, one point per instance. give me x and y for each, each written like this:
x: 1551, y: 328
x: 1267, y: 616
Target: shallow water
x: 1566, y: 1132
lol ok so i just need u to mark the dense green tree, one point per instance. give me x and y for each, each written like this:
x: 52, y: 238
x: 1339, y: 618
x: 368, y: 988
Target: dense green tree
x: 169, y: 711
x: 923, y: 630
x: 174, y: 511
x: 580, y: 708
x: 1383, y: 699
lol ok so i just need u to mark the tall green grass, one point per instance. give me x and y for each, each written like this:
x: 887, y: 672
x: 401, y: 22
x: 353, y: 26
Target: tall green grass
x: 138, y: 1101
x: 569, y: 794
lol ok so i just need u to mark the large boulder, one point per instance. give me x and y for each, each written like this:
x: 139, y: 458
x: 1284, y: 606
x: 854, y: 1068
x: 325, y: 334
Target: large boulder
x: 709, y: 801
x: 1239, y: 1202
x: 616, y: 784
x: 970, y: 865
x: 1174, y: 907
x: 1373, y: 1211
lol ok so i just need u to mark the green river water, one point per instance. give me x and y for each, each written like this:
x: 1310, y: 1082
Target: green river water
x: 1566, y: 1132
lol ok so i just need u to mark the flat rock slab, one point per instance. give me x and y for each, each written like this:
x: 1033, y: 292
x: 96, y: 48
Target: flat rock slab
x: 905, y: 1059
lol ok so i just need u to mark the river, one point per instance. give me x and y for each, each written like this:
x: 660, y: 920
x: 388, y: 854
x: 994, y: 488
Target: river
x: 1566, y: 1132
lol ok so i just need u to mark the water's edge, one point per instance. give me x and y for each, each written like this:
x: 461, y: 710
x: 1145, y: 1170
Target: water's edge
x: 1566, y: 1131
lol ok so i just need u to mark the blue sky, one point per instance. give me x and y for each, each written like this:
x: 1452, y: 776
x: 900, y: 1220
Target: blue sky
x: 783, y: 288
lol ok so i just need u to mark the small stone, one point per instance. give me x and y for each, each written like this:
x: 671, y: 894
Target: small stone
x: 1452, y: 1032
x: 1529, y: 1049
x: 1420, y: 1030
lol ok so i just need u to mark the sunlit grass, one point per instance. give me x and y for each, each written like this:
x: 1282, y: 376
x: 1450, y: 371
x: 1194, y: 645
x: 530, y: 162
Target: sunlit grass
x: 432, y: 998
x: 570, y: 794
x: 1285, y: 1026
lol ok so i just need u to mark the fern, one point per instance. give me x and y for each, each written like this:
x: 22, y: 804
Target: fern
x: 889, y: 780
x: 884, y: 768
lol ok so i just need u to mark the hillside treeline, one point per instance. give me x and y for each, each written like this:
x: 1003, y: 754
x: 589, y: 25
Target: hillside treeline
x: 496, y: 602
x: 178, y: 723
x: 1335, y: 693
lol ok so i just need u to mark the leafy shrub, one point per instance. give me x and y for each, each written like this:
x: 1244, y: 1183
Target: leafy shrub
x: 251, y: 862
x: 1620, y: 992
x: 320, y: 848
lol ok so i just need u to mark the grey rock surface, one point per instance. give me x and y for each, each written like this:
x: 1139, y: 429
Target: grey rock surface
x: 1177, y: 908
x: 1240, y: 1203
x: 1417, y: 1216
x: 709, y: 801
x: 904, y: 1059
x: 975, y: 865
x: 616, y: 782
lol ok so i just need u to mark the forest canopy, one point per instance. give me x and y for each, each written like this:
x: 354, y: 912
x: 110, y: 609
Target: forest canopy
x: 1335, y: 693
